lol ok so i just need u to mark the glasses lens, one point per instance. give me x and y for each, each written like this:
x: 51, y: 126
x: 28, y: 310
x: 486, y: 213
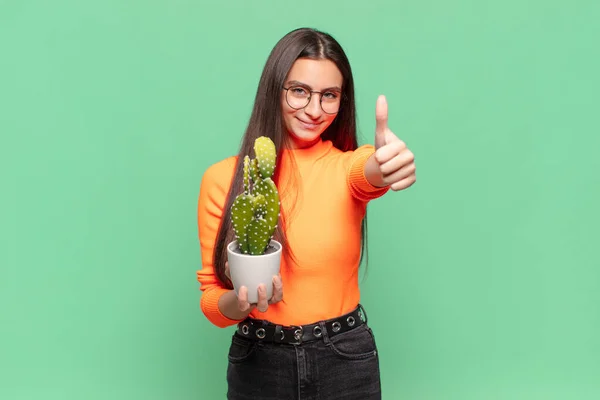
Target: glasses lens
x: 330, y: 107
x: 297, y: 97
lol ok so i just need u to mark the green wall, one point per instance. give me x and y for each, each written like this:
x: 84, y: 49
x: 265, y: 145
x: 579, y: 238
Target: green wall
x: 484, y: 277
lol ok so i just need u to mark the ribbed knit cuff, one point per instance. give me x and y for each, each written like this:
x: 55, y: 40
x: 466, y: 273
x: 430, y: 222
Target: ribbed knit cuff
x: 359, y: 185
x: 210, y: 308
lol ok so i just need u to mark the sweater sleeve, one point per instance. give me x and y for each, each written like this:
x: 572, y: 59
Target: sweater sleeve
x: 213, y: 193
x: 358, y: 184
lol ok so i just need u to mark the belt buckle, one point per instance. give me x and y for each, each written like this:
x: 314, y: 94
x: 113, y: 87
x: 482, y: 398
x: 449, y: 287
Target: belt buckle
x: 298, y: 332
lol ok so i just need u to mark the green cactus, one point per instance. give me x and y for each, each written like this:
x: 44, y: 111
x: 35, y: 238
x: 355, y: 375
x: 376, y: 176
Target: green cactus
x: 255, y: 212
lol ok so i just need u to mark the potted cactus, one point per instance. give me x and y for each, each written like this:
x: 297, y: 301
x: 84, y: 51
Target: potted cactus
x: 254, y: 257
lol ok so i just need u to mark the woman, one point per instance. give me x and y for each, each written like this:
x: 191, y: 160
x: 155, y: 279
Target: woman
x: 311, y: 339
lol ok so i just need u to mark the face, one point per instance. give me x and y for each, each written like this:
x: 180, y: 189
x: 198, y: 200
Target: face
x: 305, y: 125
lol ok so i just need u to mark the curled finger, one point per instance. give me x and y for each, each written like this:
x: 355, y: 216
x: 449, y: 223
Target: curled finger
x: 263, y: 304
x: 243, y: 299
x: 277, y: 289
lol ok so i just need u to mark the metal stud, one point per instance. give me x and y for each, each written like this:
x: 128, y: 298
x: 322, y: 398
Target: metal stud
x: 260, y: 333
x: 336, y: 326
x: 317, y: 331
x: 350, y: 321
x: 245, y: 329
x: 298, y: 333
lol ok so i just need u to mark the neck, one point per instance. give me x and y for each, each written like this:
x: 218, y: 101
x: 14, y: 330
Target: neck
x: 295, y: 144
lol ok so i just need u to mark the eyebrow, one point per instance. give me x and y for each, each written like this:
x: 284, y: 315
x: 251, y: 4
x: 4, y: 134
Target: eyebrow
x: 298, y: 83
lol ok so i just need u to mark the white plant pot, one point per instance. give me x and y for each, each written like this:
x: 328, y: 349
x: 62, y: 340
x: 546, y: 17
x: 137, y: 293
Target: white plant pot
x: 250, y: 271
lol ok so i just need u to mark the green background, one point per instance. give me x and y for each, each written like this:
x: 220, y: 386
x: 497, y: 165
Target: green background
x: 483, y: 281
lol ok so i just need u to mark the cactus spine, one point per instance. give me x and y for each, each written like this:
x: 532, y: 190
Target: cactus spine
x: 255, y: 212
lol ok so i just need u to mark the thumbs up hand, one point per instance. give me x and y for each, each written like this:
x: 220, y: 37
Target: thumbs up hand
x: 393, y: 160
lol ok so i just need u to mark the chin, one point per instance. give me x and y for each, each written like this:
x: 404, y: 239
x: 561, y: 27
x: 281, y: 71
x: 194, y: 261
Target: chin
x: 304, y: 136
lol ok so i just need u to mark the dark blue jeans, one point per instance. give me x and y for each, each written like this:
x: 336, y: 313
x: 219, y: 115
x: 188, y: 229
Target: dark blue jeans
x: 344, y: 366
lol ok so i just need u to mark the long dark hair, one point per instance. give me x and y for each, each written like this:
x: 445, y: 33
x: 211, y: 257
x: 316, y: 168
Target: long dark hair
x: 266, y: 120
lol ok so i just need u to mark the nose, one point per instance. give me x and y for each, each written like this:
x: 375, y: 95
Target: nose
x: 313, y: 108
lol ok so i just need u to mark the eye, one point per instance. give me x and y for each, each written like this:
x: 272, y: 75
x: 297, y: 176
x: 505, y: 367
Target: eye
x: 299, y: 91
x: 330, y: 95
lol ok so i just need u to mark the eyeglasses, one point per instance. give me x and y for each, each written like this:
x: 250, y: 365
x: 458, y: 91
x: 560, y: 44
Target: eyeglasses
x: 299, y: 97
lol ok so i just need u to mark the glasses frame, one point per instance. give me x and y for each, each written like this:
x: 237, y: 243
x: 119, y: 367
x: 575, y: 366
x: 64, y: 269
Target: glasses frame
x: 310, y: 98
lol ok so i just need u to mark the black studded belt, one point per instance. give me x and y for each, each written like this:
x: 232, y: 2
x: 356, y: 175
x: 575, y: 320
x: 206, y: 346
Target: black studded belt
x: 268, y: 332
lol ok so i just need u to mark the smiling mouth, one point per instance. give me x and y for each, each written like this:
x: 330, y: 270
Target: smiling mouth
x: 309, y: 124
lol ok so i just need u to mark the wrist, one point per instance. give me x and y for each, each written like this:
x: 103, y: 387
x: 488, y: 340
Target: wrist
x: 372, y: 173
x: 229, y: 307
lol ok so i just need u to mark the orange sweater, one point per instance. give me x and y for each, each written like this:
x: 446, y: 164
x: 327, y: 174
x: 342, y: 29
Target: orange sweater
x: 329, y: 202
